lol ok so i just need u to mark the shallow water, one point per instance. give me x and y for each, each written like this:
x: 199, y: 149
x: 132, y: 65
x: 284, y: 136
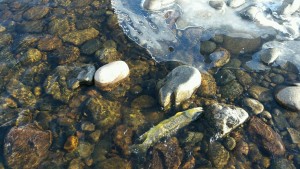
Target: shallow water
x: 43, y: 42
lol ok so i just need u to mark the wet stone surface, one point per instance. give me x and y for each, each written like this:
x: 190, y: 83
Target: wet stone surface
x: 26, y: 146
x: 48, y: 54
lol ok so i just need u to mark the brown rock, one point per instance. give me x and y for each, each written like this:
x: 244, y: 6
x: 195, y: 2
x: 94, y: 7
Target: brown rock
x: 49, y: 43
x: 264, y: 135
x: 123, y: 137
x: 237, y: 45
x: 167, y: 154
x: 71, y: 144
x: 26, y: 146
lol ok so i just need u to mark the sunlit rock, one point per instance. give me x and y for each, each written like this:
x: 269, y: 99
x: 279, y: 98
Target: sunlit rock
x: 107, y: 76
x: 289, y: 97
x: 178, y: 85
x: 222, y: 119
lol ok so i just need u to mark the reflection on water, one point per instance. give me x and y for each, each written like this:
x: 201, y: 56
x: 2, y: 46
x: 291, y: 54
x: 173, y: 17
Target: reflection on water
x: 52, y: 115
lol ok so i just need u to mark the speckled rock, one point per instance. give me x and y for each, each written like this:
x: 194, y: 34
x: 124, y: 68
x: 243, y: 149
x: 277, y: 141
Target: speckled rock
x: 224, y: 76
x: 222, y: 119
x: 59, y: 26
x: 123, y: 138
x: 90, y: 47
x: 2, y: 28
x: 104, y: 112
x: 180, y: 83
x: 260, y: 93
x: 219, y: 57
x: 208, y: 87
x: 36, y: 12
x: 114, y: 162
x: 21, y: 93
x: 76, y: 163
x: 289, y: 97
x: 26, y: 146
x: 265, y: 136
x: 109, y: 75
x: 237, y: 45
x: 229, y: 143
x: 207, y: 47
x: 78, y: 37
x: 31, y: 56
x: 5, y: 39
x: 85, y: 149
x: 167, y: 154
x: 253, y: 106
x: 87, y: 126
x: 231, y: 90
x: 133, y: 118
x: 108, y: 55
x: 31, y: 26
x: 282, y: 163
x: 64, y: 79
x: 143, y: 101
x: 65, y: 54
x: 49, y: 43
x: 218, y: 155
x: 243, y: 77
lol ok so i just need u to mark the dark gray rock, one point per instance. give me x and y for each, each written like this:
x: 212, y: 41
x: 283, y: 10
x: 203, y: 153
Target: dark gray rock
x: 90, y: 47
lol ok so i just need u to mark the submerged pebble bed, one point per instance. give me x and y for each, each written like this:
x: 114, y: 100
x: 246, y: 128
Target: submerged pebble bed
x: 52, y: 115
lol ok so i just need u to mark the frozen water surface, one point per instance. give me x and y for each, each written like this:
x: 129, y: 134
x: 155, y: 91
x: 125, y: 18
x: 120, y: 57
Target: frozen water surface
x: 173, y: 29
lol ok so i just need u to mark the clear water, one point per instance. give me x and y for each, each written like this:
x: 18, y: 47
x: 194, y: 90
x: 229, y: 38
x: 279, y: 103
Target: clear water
x: 132, y: 108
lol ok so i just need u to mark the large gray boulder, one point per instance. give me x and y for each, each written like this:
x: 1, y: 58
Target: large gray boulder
x: 178, y: 85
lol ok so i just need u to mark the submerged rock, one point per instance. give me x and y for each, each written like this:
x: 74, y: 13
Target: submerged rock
x: 78, y: 37
x: 49, y: 43
x: 26, y: 146
x: 104, y: 112
x: 289, y: 97
x: 178, y: 85
x: 280, y: 163
x: 254, y: 106
x: 222, y: 119
x: 108, y: 76
x: 36, y: 12
x: 167, y: 154
x: 269, y: 55
x: 218, y: 155
x: 65, y: 79
x: 21, y: 93
x: 265, y: 136
x: 219, y: 57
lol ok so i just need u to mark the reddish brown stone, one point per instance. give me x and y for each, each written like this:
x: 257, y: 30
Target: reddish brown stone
x: 26, y: 146
x: 167, y: 154
x: 123, y: 137
x: 264, y: 135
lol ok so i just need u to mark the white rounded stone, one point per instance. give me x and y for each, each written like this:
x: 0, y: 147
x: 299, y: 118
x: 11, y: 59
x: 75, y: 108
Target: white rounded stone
x: 111, y: 73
